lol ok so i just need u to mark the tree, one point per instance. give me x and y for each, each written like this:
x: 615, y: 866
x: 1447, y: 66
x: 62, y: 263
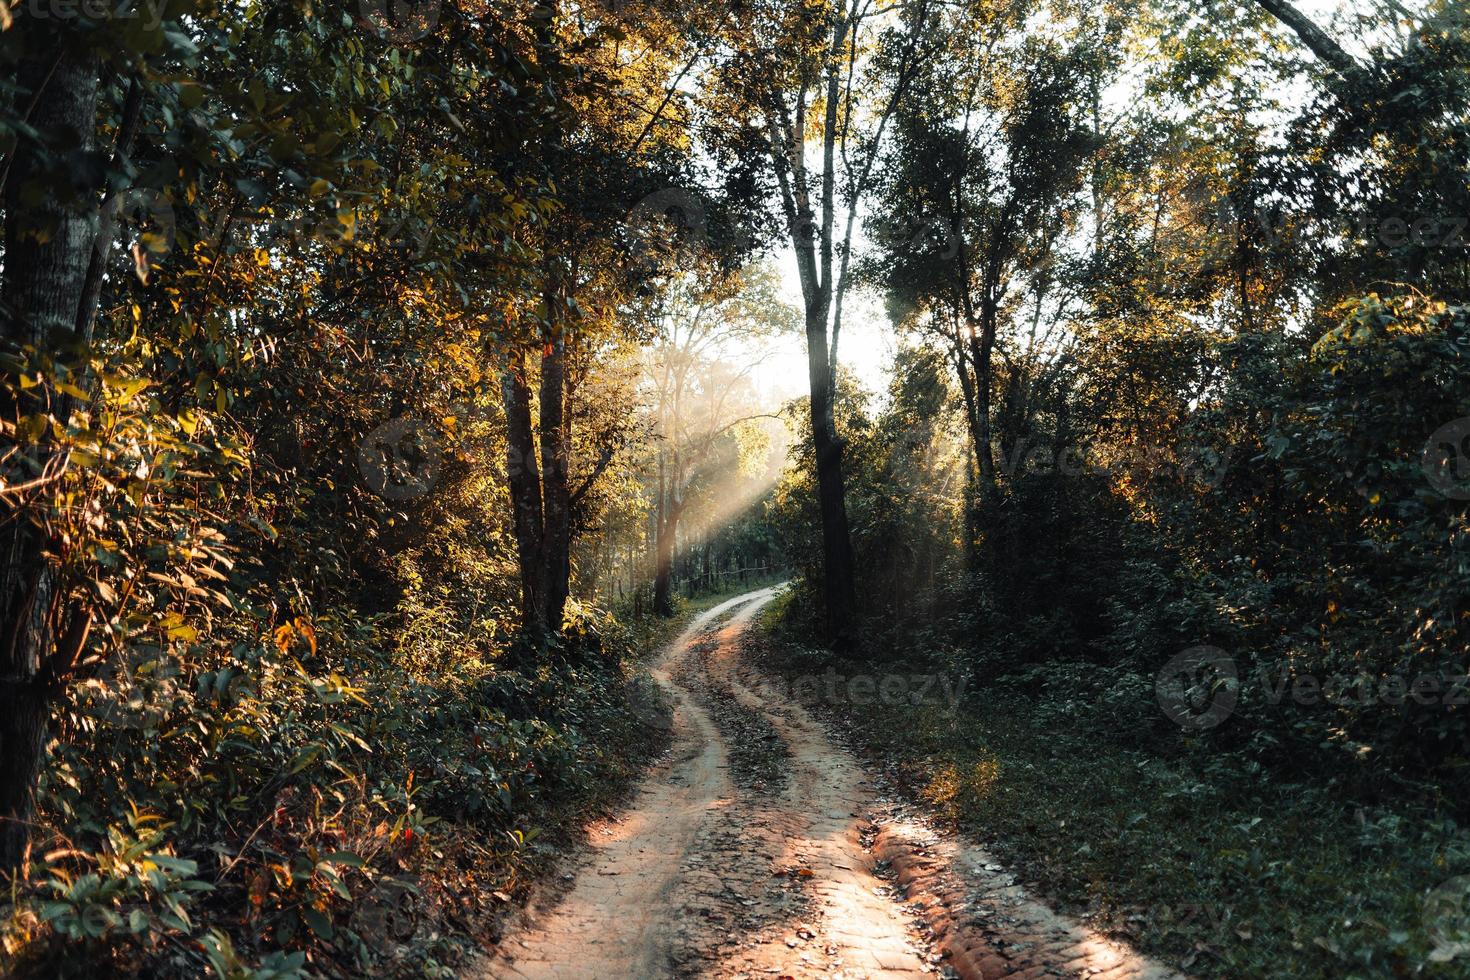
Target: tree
x: 795, y: 89
x: 130, y: 371
x: 980, y: 188
x: 1317, y: 40
x: 48, y: 246
x: 600, y: 144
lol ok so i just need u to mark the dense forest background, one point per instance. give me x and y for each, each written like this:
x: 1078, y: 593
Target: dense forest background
x: 378, y: 378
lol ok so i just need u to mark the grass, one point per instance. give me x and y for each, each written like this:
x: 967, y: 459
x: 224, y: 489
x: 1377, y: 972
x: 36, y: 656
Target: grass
x: 1220, y: 870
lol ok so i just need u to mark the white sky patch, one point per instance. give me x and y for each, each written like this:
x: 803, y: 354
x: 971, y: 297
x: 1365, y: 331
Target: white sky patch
x: 867, y: 346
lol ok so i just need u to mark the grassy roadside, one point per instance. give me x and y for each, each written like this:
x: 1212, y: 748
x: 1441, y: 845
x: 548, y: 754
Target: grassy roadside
x: 386, y: 833
x: 1220, y: 872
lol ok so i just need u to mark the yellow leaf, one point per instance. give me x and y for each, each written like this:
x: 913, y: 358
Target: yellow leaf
x: 306, y: 631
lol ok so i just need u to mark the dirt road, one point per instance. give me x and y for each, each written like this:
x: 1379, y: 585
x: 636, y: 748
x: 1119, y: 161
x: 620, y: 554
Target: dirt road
x: 759, y: 847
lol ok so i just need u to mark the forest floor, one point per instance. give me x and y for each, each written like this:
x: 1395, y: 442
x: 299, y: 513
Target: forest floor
x: 759, y: 846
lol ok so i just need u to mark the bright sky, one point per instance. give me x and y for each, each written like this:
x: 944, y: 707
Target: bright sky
x: 867, y: 346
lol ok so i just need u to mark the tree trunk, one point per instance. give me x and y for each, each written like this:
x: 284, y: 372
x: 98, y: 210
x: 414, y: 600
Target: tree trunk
x: 1317, y: 40
x: 665, y: 524
x: 838, y: 590
x: 663, y: 574
x: 555, y: 482
x: 127, y: 132
x: 982, y: 349
x: 524, y: 482
x: 48, y: 240
x: 967, y: 389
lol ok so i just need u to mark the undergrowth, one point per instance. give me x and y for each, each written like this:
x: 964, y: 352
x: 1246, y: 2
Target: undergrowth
x: 1219, y: 867
x: 306, y: 804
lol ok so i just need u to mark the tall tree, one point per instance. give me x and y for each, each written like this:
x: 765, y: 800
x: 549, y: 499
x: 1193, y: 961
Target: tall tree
x: 799, y: 90
x: 50, y: 196
x: 982, y: 183
x: 601, y: 146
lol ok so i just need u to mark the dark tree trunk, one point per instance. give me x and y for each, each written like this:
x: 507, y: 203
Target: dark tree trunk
x: 665, y: 525
x: 838, y: 590
x: 663, y: 576
x: 524, y: 481
x: 556, y: 489
x: 982, y: 349
x: 967, y: 389
x: 1317, y: 40
x: 48, y: 240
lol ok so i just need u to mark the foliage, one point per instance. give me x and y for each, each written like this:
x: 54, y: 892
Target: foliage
x: 296, y: 737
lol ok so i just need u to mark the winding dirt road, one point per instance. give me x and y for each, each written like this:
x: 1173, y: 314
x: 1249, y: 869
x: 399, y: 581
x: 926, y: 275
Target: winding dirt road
x: 760, y: 848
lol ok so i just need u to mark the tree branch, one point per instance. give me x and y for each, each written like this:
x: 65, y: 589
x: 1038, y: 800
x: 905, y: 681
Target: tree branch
x: 1317, y: 40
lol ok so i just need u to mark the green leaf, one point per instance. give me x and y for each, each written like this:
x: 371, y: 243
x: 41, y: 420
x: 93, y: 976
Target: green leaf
x: 318, y: 922
x: 344, y: 857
